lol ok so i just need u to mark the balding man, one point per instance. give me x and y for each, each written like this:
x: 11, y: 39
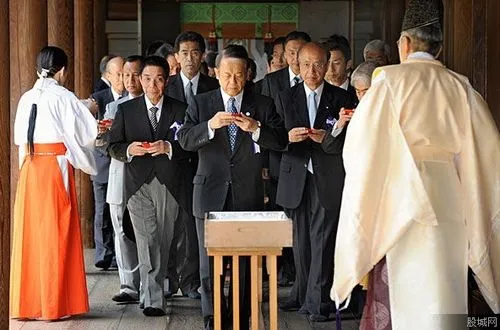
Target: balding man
x: 103, y: 228
x: 311, y: 180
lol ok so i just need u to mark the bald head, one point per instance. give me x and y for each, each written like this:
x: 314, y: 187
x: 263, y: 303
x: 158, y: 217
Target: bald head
x: 313, y: 64
x: 114, y: 72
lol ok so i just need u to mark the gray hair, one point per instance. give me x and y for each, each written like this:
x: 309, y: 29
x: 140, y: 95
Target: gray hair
x: 363, y: 73
x: 377, y: 46
x: 426, y: 38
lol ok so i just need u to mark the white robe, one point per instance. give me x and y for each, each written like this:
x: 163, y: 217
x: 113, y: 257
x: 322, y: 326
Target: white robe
x: 61, y: 117
x: 422, y: 187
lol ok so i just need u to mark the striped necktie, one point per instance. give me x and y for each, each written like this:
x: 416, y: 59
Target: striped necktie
x: 152, y: 118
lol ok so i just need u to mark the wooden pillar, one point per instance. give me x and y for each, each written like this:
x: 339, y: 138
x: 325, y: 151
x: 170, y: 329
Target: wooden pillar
x: 4, y: 165
x: 61, y: 33
x: 84, y: 80
x: 28, y: 35
x: 100, y: 38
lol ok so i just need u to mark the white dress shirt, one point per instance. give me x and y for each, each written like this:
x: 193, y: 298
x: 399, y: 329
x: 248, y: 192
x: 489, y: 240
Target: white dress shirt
x: 195, y: 80
x: 237, y: 103
x: 319, y: 92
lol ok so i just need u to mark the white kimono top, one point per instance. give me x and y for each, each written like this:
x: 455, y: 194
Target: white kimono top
x: 61, y: 117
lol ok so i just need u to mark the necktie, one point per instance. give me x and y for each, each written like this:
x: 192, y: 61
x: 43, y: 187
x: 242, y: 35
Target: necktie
x: 295, y: 81
x: 232, y: 129
x: 312, y: 108
x: 188, y: 91
x: 152, y: 118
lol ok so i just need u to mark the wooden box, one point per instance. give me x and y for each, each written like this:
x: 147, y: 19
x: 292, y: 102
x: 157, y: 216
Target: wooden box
x: 247, y: 230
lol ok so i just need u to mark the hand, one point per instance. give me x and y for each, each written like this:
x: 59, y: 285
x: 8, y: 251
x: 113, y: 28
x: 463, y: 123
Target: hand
x: 298, y: 134
x: 159, y: 147
x: 344, y: 117
x: 135, y: 149
x: 104, y: 125
x: 317, y: 135
x: 247, y: 124
x: 220, y: 119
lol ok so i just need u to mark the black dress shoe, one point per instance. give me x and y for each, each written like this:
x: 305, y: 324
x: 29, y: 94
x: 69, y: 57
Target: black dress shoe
x: 289, y: 306
x: 152, y: 311
x: 104, y: 264
x: 124, y: 297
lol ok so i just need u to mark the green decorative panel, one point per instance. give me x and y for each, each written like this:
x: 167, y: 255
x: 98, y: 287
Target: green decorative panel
x: 239, y: 13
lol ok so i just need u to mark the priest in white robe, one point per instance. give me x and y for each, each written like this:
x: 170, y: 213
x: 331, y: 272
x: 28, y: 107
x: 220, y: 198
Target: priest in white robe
x: 422, y: 187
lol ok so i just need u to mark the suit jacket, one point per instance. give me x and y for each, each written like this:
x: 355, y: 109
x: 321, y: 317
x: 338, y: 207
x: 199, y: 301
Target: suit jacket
x: 175, y: 86
x: 328, y: 168
x: 116, y: 188
x: 218, y: 167
x: 102, y: 98
x: 132, y: 124
x: 100, y: 85
x: 275, y: 82
x: 102, y: 160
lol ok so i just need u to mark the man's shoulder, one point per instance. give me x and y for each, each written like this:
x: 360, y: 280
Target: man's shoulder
x: 102, y: 94
x: 277, y: 75
x: 211, y: 83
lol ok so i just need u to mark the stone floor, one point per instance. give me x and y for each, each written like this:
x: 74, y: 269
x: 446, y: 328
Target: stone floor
x: 184, y: 313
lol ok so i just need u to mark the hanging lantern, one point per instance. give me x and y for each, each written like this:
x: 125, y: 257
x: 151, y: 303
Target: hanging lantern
x: 212, y: 36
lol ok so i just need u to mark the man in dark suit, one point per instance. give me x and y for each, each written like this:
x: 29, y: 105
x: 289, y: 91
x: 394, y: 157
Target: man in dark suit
x: 183, y: 269
x: 340, y: 63
x: 158, y: 187
x: 272, y: 85
x: 103, y: 228
x: 226, y: 127
x: 311, y: 181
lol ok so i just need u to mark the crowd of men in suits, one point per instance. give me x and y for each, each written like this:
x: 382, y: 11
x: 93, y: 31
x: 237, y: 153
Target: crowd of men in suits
x: 176, y: 143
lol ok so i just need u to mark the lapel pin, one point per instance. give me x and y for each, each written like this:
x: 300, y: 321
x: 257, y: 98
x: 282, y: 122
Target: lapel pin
x: 247, y: 114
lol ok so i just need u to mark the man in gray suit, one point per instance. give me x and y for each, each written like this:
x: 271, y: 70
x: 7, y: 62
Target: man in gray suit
x: 125, y: 248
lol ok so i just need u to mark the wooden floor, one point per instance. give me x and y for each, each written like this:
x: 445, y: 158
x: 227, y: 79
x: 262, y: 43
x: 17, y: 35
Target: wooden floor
x: 183, y: 313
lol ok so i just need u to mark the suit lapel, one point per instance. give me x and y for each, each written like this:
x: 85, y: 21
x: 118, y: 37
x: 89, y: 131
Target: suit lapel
x: 178, y: 88
x: 166, y: 118
x: 285, y: 79
x: 143, y: 117
x: 218, y: 105
x: 247, y: 108
x: 202, y: 85
x: 324, y: 108
x: 300, y: 104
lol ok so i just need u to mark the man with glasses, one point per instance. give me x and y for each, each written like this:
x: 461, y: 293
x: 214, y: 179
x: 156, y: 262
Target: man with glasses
x: 311, y: 180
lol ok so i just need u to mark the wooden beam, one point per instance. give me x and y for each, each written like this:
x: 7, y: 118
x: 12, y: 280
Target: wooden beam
x: 84, y: 79
x: 4, y: 165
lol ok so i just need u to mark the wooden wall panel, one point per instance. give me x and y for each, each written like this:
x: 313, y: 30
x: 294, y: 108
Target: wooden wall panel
x: 493, y: 58
x: 4, y: 165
